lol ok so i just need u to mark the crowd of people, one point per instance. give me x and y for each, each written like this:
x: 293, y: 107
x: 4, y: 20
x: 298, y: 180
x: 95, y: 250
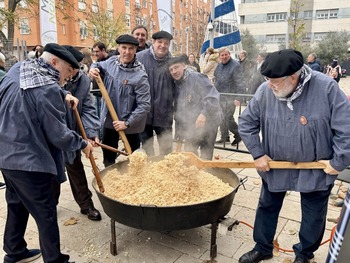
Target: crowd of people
x: 149, y: 89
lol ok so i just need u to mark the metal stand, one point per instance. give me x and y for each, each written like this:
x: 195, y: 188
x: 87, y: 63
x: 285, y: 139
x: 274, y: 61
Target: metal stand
x: 113, y: 244
x: 213, y: 245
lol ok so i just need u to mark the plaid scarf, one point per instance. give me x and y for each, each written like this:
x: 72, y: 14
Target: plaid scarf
x: 305, y: 76
x: 151, y: 49
x: 36, y: 73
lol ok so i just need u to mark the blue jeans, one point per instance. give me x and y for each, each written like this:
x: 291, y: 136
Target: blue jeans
x: 313, y: 221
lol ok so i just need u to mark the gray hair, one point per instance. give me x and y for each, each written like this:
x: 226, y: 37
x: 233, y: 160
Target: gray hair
x: 224, y: 49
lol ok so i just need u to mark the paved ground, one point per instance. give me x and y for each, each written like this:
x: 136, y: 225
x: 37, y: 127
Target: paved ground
x: 88, y: 241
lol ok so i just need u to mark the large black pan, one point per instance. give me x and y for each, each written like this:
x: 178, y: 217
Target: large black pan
x: 169, y: 218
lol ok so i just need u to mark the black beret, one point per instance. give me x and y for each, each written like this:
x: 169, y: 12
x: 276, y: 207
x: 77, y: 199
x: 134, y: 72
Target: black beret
x: 75, y: 52
x: 282, y: 63
x: 62, y: 53
x: 127, y: 39
x: 177, y: 59
x: 162, y: 34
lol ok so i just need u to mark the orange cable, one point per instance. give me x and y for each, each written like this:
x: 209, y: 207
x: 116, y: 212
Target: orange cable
x: 288, y: 250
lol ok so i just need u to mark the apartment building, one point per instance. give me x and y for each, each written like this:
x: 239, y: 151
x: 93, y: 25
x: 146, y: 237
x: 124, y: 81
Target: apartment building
x: 267, y: 20
x: 188, y: 17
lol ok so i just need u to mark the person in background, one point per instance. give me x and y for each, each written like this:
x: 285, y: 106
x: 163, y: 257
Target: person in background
x: 141, y: 34
x: 127, y: 84
x: 79, y: 87
x: 33, y: 136
x: 160, y: 117
x: 313, y: 63
x: 257, y: 77
x: 193, y: 63
x: 208, y: 52
x: 100, y: 51
x: 229, y: 78
x: 211, y: 65
x: 87, y: 60
x: 282, y: 122
x: 334, y: 70
x: 198, y: 112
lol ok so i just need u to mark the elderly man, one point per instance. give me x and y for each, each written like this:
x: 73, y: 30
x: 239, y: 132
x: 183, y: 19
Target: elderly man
x: 126, y: 82
x: 198, y: 112
x: 160, y: 117
x: 33, y: 136
x: 229, y: 78
x: 294, y: 128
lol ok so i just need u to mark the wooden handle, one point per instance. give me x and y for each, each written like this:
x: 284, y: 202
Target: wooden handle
x: 112, y: 112
x: 92, y: 159
x: 272, y: 165
x: 110, y: 148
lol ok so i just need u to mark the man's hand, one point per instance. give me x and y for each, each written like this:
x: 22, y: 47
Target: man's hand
x: 94, y: 73
x: 262, y: 163
x: 200, y: 122
x: 119, y: 125
x: 72, y: 101
x: 329, y: 168
x: 237, y: 103
x: 87, y: 150
x: 94, y: 141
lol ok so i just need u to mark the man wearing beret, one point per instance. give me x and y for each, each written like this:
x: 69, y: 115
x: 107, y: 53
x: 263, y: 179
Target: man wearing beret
x: 303, y: 117
x: 127, y: 85
x: 79, y: 87
x: 198, y: 110
x: 33, y: 136
x: 160, y: 117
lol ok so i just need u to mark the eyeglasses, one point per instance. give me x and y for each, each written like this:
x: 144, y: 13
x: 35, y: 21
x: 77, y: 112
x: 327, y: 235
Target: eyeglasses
x: 275, y: 84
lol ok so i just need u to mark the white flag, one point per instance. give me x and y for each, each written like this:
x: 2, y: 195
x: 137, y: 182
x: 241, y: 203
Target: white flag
x: 48, y: 23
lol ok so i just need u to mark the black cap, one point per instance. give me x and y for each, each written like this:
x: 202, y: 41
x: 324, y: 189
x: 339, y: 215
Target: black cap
x: 178, y: 59
x: 75, y: 52
x: 62, y: 53
x: 282, y: 63
x: 162, y: 34
x: 127, y: 39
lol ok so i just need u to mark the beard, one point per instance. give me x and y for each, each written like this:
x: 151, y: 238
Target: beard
x: 285, y: 92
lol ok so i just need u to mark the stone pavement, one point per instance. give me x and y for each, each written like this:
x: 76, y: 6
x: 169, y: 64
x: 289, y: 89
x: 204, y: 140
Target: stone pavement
x: 88, y: 241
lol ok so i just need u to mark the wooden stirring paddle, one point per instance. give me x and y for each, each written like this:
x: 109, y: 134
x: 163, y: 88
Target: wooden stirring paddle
x: 196, y: 161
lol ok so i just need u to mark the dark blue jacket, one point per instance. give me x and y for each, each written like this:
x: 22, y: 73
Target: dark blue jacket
x: 33, y: 131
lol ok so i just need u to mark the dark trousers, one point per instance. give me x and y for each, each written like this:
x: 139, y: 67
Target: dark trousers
x: 111, y: 138
x: 228, y: 123
x: 164, y: 138
x: 204, y: 141
x: 78, y: 183
x: 313, y: 221
x: 30, y: 193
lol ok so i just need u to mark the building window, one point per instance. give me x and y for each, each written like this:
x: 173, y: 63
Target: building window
x: 319, y: 36
x: 83, y: 30
x: 144, y: 3
x: 127, y: 20
x: 94, y: 6
x: 127, y: 3
x: 109, y: 4
x: 82, y: 5
x: 138, y: 21
x: 24, y: 28
x: 327, y: 14
x: 96, y: 36
x: 63, y: 29
x: 110, y: 13
x: 308, y: 14
x: 275, y: 39
x: 276, y: 17
x: 137, y: 4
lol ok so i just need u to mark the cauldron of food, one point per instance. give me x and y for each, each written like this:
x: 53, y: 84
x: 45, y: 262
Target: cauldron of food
x: 163, y: 218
